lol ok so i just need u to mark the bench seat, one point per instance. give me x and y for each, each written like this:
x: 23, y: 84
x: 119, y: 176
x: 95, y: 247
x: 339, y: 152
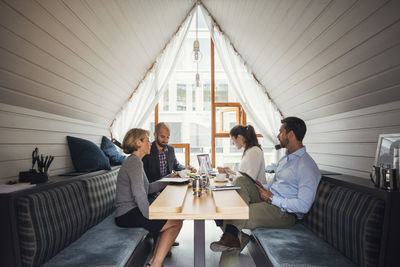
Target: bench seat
x: 69, y: 222
x: 297, y: 246
x: 104, y: 244
x: 343, y: 228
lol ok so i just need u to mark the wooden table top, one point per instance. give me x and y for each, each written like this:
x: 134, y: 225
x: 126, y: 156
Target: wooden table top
x: 178, y: 202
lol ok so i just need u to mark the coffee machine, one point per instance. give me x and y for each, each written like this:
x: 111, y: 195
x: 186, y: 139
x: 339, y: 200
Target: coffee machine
x: 388, y: 177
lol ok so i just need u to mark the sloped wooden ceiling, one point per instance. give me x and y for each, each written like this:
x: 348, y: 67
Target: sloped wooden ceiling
x: 317, y: 58
x: 81, y: 59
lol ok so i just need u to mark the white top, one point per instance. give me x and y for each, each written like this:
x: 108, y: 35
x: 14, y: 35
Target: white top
x: 253, y: 164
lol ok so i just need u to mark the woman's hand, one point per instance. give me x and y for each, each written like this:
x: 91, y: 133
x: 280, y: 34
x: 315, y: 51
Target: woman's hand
x: 221, y: 170
x: 264, y: 193
x: 229, y: 171
x: 192, y: 169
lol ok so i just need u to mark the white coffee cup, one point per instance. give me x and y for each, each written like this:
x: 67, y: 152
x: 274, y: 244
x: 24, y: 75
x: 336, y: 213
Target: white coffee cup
x: 183, y: 173
x: 220, y: 177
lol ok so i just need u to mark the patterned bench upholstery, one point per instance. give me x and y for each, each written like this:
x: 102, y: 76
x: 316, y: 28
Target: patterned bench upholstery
x: 71, y: 223
x: 343, y: 228
x: 353, y: 225
x: 50, y: 220
x: 101, y: 193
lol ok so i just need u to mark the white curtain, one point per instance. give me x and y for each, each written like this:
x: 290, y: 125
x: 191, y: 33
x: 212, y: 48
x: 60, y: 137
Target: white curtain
x: 137, y: 110
x: 252, y: 96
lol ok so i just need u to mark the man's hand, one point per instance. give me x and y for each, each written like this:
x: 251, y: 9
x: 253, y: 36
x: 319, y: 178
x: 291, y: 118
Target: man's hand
x: 174, y: 175
x: 264, y: 193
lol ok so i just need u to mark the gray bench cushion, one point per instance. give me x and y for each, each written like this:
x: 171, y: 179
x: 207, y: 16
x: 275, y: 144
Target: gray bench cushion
x: 104, y: 244
x: 298, y: 246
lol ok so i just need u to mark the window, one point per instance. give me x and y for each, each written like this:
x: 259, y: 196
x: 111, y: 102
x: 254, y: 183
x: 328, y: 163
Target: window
x: 181, y: 97
x: 194, y: 96
x: 200, y: 142
x: 228, y: 115
x: 221, y: 92
x: 188, y: 110
x: 176, y: 135
x: 207, y: 96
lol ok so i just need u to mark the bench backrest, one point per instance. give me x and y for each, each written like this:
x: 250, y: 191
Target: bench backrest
x: 49, y: 220
x: 101, y: 193
x: 350, y: 221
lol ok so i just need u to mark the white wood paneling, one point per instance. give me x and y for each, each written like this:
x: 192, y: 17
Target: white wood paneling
x: 21, y: 130
x: 81, y: 59
x: 336, y: 64
x: 346, y: 142
x: 336, y: 41
x: 318, y: 58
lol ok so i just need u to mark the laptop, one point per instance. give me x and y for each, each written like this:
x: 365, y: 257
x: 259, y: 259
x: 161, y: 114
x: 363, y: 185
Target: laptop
x: 204, y: 161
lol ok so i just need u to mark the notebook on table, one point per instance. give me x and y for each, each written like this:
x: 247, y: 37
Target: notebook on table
x: 176, y: 180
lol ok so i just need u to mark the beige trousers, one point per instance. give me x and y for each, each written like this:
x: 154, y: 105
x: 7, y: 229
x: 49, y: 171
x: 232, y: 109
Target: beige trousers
x: 261, y: 214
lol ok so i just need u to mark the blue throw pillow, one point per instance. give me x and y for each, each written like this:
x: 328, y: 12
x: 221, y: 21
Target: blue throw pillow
x: 111, y: 152
x: 86, y: 155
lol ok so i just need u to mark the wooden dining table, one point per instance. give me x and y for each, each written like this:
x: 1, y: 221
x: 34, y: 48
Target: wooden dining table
x: 179, y: 202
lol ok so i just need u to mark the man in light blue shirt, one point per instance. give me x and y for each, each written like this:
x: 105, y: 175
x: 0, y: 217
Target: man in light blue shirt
x: 295, y: 183
x: 289, y: 195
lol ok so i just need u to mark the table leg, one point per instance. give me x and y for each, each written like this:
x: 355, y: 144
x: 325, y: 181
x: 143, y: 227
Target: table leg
x: 199, y: 244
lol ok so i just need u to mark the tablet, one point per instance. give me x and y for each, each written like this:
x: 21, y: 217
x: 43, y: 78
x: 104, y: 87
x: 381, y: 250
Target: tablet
x: 248, y: 176
x: 223, y: 187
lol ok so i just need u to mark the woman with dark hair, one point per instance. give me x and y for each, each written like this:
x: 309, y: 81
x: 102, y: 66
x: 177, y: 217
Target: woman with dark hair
x: 131, y: 196
x: 252, y: 161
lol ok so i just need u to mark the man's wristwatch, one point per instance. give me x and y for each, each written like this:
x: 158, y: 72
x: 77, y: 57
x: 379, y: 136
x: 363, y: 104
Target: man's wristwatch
x: 269, y: 200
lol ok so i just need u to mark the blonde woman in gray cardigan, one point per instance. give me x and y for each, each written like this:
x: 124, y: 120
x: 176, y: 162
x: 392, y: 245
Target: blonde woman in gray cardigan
x: 132, y: 205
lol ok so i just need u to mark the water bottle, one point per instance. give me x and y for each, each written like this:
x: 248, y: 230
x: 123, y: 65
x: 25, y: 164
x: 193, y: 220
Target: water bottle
x: 196, y: 186
x: 205, y: 182
x: 203, y: 167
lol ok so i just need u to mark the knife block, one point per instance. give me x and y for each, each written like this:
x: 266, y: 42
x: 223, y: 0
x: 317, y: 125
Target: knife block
x: 33, y: 177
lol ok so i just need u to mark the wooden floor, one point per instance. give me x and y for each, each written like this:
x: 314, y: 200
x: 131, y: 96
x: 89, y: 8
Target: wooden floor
x: 182, y: 255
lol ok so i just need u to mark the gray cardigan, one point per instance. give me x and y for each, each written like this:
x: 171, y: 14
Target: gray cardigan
x: 133, y: 187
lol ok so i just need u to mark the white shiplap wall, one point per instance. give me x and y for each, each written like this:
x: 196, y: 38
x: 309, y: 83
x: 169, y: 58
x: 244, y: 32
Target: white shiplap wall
x: 21, y: 130
x: 81, y: 59
x: 67, y: 67
x: 317, y: 57
x: 346, y: 142
x: 336, y: 64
